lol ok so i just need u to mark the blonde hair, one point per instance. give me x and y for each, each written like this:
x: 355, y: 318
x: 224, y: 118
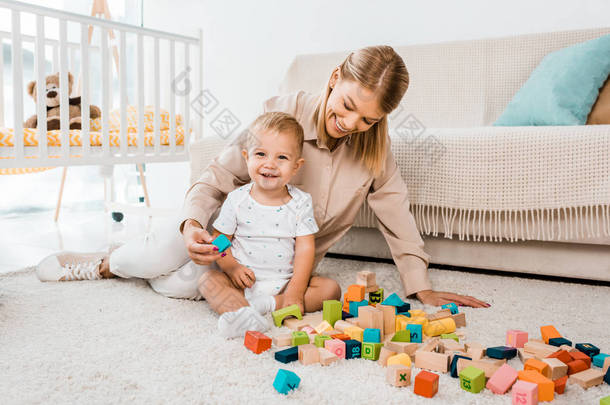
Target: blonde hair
x: 381, y: 70
x: 275, y: 121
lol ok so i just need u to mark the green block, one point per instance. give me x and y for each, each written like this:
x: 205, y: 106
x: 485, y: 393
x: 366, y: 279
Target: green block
x: 299, y: 337
x: 319, y: 340
x: 402, y: 336
x: 472, y: 379
x: 371, y: 351
x: 604, y: 400
x: 279, y: 315
x: 450, y: 336
x: 332, y: 311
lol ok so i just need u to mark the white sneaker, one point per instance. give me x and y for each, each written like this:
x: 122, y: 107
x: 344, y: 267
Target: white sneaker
x: 235, y: 324
x: 70, y: 266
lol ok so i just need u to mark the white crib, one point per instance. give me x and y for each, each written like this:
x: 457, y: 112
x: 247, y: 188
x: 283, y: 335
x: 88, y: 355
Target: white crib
x: 107, y: 150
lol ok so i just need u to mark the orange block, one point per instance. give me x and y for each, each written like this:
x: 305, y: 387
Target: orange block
x: 426, y: 384
x: 355, y: 292
x: 546, y: 387
x: 560, y: 384
x: 342, y: 336
x: 345, y: 304
x: 536, y: 365
x: 548, y: 332
x: 257, y: 342
x: 562, y: 355
x: 576, y: 355
x: 576, y: 366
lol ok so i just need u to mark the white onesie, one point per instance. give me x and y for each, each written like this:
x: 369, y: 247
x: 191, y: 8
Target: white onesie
x: 264, y: 235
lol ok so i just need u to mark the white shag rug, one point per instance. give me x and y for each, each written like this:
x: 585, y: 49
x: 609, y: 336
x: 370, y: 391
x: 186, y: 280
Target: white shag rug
x: 117, y: 341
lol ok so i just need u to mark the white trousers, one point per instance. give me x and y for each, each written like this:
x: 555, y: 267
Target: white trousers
x: 160, y: 256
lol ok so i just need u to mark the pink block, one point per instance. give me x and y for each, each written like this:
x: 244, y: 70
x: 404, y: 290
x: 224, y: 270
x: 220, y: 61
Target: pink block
x: 502, y: 380
x: 525, y: 393
x: 516, y: 338
x: 335, y: 346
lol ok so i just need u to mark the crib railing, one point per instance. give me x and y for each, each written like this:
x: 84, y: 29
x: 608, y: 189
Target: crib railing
x: 44, y: 154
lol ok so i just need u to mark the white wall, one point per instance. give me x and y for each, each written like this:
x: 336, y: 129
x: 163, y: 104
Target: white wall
x: 249, y: 44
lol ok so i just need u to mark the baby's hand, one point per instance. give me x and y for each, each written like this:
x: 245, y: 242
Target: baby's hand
x: 290, y: 299
x: 241, y: 276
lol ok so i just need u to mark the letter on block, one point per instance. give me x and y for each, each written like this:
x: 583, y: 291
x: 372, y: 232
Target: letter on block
x: 352, y: 349
x: 501, y: 381
x: 415, y: 332
x: 398, y: 375
x: 525, y: 393
x: 286, y: 381
x: 257, y: 342
x: 371, y: 351
x: 376, y: 297
x: 472, y: 379
x: 336, y: 346
x: 426, y: 384
x: 279, y: 315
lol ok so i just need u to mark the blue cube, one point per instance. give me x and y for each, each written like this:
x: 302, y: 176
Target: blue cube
x: 222, y: 243
x: 353, y: 349
x: 416, y: 332
x: 559, y: 342
x: 346, y: 315
x: 371, y: 335
x: 454, y: 372
x: 393, y: 300
x: 452, y: 307
x: 501, y: 352
x: 287, y: 355
x: 354, y: 305
x: 286, y: 381
x: 598, y: 360
x: 406, y: 307
x: 588, y: 349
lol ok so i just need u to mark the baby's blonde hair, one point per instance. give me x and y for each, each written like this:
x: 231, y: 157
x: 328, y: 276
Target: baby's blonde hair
x: 275, y: 121
x: 381, y: 70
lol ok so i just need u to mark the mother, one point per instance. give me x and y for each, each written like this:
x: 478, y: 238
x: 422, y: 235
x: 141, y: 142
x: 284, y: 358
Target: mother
x: 347, y: 160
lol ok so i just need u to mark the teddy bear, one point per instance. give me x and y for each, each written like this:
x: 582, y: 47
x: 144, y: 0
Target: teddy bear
x: 52, y: 102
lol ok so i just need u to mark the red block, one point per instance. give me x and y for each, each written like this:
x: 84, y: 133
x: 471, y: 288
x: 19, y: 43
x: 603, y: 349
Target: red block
x: 560, y: 384
x: 576, y: 366
x: 426, y: 384
x: 562, y: 355
x: 581, y: 356
x: 257, y: 342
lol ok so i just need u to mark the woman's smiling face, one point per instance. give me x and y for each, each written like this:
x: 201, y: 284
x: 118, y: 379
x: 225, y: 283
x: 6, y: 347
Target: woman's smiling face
x: 350, y: 108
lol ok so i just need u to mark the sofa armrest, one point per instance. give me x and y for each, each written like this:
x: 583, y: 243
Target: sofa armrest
x: 202, y: 152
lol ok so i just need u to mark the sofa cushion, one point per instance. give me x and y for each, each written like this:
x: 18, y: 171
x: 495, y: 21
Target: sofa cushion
x: 600, y: 113
x: 563, y: 88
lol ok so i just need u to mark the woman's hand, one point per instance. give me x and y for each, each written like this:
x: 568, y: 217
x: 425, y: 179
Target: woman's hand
x: 438, y: 298
x: 241, y: 276
x: 198, y: 244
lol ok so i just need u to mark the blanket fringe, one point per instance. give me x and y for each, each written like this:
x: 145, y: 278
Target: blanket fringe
x: 547, y: 224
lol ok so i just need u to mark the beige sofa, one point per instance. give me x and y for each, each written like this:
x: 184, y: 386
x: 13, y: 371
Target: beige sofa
x: 522, y: 199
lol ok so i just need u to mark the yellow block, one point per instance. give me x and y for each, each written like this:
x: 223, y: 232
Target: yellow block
x: 354, y: 332
x: 419, y: 320
x: 417, y: 312
x: 439, y: 327
x: 401, y: 358
x: 401, y: 322
x: 323, y: 327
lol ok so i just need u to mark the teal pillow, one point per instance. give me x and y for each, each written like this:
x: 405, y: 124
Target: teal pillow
x: 563, y: 88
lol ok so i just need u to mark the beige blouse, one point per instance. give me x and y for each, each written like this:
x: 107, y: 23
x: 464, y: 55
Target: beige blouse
x: 338, y: 185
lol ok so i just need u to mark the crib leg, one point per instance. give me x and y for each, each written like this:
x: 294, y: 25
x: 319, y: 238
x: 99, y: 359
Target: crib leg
x: 143, y: 181
x: 61, y: 192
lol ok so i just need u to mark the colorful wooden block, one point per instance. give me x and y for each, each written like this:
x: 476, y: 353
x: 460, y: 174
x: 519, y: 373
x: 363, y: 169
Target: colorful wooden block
x: 560, y: 341
x: 345, y: 307
x: 326, y: 356
x: 561, y: 355
x: 587, y: 378
x: 556, y: 368
x: 598, y: 359
x: 308, y: 354
x: 445, y: 313
x: 398, y: 375
x: 400, y: 358
x: 426, y: 384
x: 452, y: 307
x: 371, y: 317
x: 257, y: 341
x: 405, y: 307
x: 389, y: 318
x: 324, y: 326
x: 560, y: 384
x: 355, y: 292
x: 578, y: 355
x: 606, y: 365
x: 354, y: 307
x: 501, y: 352
x: 320, y: 339
x: 537, y: 365
x: 342, y: 336
x: 548, y: 332
x: 342, y: 325
x: 402, y: 347
x: 287, y: 355
x: 415, y: 332
x: 576, y: 366
x: 285, y: 339
x: 366, y: 278
x: 475, y: 350
x: 354, y: 332
x: 588, y: 349
x: 345, y: 314
x: 487, y: 366
x: 501, y: 381
x: 432, y: 361
x: 539, y: 350
x: 451, y: 336
x: 472, y: 379
x: 415, y: 313
x: 384, y: 355
x: 372, y: 335
x: 453, y: 365
x: 546, y: 388
x: 376, y: 297
x: 516, y: 338
x: 331, y: 311
x: 222, y: 243
x: 525, y: 393
x: 286, y: 381
x: 335, y: 346
x: 371, y: 350
x: 401, y: 336
x: 459, y: 319
x: 299, y: 338
x: 606, y: 375
x: 400, y: 322
x: 604, y: 400
x: 438, y: 327
x: 291, y: 310
x: 393, y: 300
x: 353, y: 349
x: 450, y: 345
